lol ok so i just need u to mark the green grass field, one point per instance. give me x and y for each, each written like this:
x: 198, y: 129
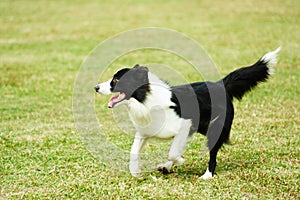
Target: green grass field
x: 42, y: 46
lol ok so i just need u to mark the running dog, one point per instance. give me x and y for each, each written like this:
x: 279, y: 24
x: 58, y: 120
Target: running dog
x: 158, y: 110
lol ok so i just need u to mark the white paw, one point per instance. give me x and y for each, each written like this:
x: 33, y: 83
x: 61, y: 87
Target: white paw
x: 180, y: 161
x: 136, y: 172
x: 137, y: 175
x: 135, y: 169
x: 207, y: 175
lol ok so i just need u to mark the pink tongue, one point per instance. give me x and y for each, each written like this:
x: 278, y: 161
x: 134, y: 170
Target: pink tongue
x: 115, y: 99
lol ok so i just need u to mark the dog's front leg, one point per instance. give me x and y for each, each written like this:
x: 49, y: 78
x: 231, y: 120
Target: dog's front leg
x: 138, y: 144
x: 178, y: 147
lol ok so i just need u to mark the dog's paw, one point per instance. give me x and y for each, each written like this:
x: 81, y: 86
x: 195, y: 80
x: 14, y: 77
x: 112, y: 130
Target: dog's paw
x: 207, y: 175
x: 136, y: 175
x: 135, y: 169
x: 180, y: 161
x: 165, y: 168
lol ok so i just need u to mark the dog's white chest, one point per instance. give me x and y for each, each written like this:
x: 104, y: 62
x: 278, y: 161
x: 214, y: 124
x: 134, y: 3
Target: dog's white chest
x: 157, y: 122
x: 154, y: 117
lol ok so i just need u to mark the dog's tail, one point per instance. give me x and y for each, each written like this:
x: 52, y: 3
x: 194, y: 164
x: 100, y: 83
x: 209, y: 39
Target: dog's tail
x: 243, y: 80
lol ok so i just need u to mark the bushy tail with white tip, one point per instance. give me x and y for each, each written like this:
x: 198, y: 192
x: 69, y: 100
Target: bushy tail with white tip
x: 243, y: 80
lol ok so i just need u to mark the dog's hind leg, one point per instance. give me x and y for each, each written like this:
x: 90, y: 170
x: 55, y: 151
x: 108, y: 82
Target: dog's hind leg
x: 217, y: 135
x: 177, y: 148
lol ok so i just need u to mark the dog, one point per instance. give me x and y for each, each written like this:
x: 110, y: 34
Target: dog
x: 158, y: 110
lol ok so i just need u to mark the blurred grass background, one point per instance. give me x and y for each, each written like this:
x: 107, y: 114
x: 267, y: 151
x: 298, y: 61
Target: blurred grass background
x: 42, y: 45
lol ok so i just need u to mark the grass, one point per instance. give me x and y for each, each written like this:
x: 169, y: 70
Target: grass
x: 42, y: 45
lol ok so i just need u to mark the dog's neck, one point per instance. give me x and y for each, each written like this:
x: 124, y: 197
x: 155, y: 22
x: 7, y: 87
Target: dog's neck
x: 158, y: 98
x: 160, y: 93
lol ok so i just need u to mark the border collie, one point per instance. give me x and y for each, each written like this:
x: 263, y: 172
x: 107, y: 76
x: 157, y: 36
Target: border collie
x: 158, y: 110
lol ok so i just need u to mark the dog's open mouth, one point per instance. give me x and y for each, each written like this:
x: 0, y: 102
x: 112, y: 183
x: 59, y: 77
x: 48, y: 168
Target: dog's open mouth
x: 116, y: 99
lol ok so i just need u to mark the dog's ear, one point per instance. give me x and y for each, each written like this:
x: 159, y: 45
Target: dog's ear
x: 137, y: 66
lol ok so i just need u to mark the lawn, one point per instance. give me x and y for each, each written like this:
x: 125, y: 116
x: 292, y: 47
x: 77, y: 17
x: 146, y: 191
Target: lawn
x: 42, y: 47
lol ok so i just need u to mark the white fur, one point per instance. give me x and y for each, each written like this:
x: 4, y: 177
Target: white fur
x: 139, y: 113
x: 154, y: 118
x: 271, y: 59
x: 207, y: 175
x: 136, y: 148
x: 105, y: 87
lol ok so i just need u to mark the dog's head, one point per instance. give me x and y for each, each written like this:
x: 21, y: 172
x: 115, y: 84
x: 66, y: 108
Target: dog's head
x: 130, y: 83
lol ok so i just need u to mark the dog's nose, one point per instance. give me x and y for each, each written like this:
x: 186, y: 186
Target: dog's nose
x: 97, y: 88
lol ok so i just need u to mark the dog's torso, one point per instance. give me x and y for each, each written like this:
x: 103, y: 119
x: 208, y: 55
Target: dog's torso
x: 155, y: 118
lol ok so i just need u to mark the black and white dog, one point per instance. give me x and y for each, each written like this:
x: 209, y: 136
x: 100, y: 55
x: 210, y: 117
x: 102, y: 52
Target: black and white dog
x: 159, y: 110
